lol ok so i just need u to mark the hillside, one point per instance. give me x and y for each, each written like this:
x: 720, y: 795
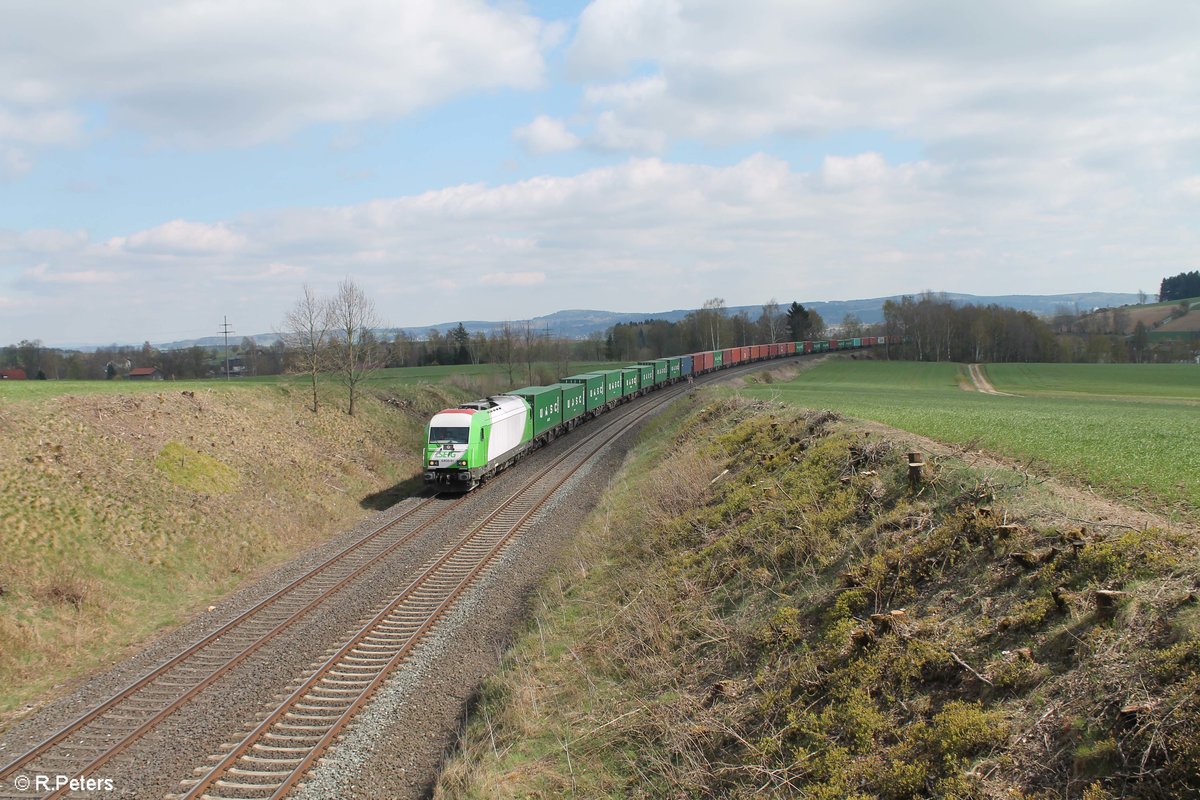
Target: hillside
x: 1175, y: 317
x: 120, y: 512
x: 580, y: 323
x: 764, y: 607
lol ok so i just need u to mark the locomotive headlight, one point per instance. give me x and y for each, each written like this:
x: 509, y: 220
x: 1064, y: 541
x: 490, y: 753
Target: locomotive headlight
x: 433, y: 462
x: 462, y: 462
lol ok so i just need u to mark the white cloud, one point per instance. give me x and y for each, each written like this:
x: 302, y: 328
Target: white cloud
x: 43, y: 274
x: 50, y: 240
x: 1108, y: 86
x: 546, y: 135
x: 14, y: 162
x: 513, y: 278
x: 240, y: 72
x: 178, y: 236
x: 643, y: 235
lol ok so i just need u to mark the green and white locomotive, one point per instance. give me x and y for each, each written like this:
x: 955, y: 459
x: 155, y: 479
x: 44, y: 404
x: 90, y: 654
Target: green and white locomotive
x: 469, y: 443
x: 466, y: 445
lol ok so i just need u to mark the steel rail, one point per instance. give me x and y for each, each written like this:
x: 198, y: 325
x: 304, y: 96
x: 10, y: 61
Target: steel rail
x: 226, y: 765
x: 76, y: 726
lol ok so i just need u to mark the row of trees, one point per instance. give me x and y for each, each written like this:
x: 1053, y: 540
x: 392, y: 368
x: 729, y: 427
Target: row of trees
x: 334, y: 334
x: 936, y: 329
x: 1183, y: 286
x: 52, y: 363
x: 711, y: 327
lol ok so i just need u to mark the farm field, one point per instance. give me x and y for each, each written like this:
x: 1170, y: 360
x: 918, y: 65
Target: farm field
x: 1164, y: 381
x: 1132, y: 430
x: 384, y: 379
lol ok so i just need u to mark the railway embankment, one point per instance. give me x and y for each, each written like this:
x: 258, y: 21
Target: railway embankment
x: 122, y: 513
x: 766, y: 604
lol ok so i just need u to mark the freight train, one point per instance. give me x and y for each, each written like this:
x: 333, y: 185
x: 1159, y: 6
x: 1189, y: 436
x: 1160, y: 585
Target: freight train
x: 465, y: 446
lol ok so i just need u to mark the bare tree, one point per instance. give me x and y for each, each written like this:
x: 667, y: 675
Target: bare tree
x: 712, y: 317
x: 772, y: 322
x: 504, y: 348
x: 529, y: 339
x: 306, y: 332
x: 353, y: 344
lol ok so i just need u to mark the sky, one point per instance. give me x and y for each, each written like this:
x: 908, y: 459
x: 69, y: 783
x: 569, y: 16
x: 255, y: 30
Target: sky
x: 166, y: 164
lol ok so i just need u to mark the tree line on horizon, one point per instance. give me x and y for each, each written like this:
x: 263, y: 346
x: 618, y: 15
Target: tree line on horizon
x: 1183, y: 286
x: 934, y: 328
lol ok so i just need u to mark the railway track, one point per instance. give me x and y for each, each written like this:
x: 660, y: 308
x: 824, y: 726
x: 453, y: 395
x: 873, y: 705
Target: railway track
x: 274, y: 756
x: 92, y: 740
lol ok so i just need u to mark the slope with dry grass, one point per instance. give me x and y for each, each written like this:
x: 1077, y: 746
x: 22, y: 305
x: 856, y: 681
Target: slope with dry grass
x: 120, y: 514
x: 764, y: 607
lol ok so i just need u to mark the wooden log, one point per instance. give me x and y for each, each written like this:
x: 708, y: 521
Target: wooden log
x: 915, y: 462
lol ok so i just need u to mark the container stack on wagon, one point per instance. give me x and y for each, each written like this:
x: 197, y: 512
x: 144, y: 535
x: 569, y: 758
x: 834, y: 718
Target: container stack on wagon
x: 466, y: 445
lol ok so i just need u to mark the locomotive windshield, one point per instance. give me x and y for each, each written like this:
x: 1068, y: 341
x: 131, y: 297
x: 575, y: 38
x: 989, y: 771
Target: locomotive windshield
x: 449, y: 435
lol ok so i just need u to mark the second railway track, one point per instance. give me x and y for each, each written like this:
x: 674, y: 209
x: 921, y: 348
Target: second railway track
x: 97, y: 738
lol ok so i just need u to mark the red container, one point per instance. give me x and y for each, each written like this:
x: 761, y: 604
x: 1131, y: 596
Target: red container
x: 728, y: 357
x: 833, y: 344
x: 807, y: 347
x: 791, y: 348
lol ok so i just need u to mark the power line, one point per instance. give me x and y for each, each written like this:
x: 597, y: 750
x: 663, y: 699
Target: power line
x: 225, y: 329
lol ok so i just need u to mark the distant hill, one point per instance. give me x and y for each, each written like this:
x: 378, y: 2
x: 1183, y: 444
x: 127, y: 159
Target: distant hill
x: 580, y: 323
x: 1163, y: 320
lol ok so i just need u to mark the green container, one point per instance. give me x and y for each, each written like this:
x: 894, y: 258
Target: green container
x: 845, y: 344
x: 858, y: 342
x: 647, y: 374
x: 545, y: 406
x: 593, y: 383
x: 674, y: 368
x: 630, y: 380
x: 574, y: 401
x: 718, y: 358
x: 661, y: 370
x: 614, y: 384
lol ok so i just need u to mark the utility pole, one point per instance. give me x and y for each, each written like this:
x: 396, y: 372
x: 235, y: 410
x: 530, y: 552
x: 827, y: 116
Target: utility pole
x: 225, y: 330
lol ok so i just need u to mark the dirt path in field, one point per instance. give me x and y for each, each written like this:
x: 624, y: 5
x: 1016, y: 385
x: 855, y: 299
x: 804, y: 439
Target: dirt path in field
x: 982, y: 384
x: 1053, y: 499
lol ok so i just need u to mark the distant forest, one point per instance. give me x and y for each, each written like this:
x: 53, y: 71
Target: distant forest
x: 1183, y: 286
x: 933, y: 327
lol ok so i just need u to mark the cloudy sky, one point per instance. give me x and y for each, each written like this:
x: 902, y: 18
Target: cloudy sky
x: 167, y: 163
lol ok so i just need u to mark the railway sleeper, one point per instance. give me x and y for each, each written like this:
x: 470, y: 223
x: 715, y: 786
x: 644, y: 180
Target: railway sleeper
x: 274, y: 775
x: 277, y: 760
x: 270, y: 748
x: 286, y: 737
x: 299, y: 732
x: 221, y: 783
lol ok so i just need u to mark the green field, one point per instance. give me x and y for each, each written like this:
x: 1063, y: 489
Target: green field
x: 1130, y: 429
x: 1165, y: 381
x: 488, y: 376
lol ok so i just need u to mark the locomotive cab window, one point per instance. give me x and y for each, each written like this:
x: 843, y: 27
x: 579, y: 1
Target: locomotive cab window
x: 448, y: 435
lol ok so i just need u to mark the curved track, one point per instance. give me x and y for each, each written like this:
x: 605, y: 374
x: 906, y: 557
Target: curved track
x: 92, y: 740
x: 278, y: 751
x: 270, y: 760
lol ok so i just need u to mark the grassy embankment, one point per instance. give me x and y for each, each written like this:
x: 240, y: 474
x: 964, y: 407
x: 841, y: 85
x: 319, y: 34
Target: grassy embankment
x: 761, y: 607
x: 127, y: 506
x: 1132, y: 430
